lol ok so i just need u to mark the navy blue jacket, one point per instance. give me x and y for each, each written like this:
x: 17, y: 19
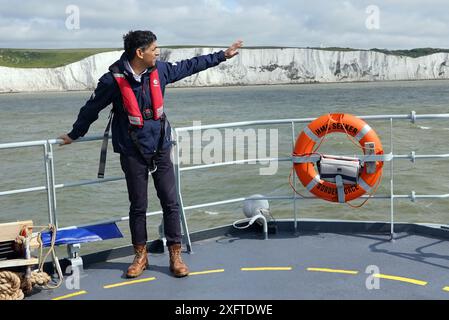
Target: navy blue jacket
x: 108, y: 92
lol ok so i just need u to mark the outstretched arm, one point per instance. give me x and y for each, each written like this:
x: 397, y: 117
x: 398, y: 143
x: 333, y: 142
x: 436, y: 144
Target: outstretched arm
x: 232, y: 51
x: 186, y: 68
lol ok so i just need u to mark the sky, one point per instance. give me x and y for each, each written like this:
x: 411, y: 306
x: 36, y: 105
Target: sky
x: 391, y: 24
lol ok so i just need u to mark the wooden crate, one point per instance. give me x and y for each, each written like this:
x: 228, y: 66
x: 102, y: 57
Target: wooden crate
x: 7, y: 250
x: 18, y: 263
x: 10, y: 231
x: 8, y: 234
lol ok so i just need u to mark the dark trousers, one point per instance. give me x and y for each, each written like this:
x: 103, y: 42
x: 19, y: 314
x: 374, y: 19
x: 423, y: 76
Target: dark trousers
x: 136, y: 173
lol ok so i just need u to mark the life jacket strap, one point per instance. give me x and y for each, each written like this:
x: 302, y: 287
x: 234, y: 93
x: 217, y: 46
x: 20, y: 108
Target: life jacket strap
x: 104, y: 148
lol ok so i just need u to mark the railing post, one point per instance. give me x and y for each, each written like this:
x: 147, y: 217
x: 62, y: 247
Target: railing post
x: 295, y: 218
x: 181, y: 204
x: 51, y: 192
x: 48, y: 183
x: 52, y: 183
x: 391, y: 184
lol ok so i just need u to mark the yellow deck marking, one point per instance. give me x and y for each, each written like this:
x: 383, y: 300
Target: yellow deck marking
x: 332, y: 270
x: 446, y: 288
x: 402, y: 279
x: 268, y: 269
x: 206, y: 272
x: 128, y: 283
x: 70, y: 295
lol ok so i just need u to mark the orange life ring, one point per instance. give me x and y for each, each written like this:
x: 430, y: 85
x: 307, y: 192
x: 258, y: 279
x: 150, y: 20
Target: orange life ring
x: 314, y: 133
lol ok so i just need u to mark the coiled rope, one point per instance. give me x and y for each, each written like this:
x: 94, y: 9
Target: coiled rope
x: 10, y: 286
x: 14, y: 285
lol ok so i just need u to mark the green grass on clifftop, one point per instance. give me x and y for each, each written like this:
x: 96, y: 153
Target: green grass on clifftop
x: 52, y: 58
x: 44, y: 58
x: 414, y: 53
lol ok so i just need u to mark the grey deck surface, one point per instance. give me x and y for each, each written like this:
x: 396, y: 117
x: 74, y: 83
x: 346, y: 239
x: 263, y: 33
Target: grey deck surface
x: 411, y: 256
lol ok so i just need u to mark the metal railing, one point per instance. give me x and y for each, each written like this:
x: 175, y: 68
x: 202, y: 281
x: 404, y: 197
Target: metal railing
x: 50, y: 187
x: 413, y: 117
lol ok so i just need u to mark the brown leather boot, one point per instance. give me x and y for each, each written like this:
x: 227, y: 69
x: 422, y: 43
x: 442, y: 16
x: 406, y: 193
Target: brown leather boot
x: 177, y: 266
x: 140, y: 262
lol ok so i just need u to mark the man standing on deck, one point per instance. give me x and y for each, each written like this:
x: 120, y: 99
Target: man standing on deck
x: 135, y: 86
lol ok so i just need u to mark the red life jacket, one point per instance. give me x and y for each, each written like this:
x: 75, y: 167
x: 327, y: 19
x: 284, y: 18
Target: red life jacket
x: 130, y: 102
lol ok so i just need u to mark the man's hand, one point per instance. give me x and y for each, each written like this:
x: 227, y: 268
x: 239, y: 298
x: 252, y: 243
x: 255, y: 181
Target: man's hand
x: 232, y: 51
x: 66, y: 139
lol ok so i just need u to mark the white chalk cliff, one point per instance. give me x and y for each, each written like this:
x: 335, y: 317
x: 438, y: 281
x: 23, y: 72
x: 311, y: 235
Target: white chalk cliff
x: 250, y: 67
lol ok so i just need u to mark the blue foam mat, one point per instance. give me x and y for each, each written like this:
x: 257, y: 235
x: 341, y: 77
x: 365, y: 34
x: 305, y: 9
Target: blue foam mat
x: 92, y: 233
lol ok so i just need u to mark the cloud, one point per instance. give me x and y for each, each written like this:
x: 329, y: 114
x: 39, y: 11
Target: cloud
x: 297, y: 23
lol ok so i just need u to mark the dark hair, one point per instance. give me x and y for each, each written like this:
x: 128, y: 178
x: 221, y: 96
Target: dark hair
x: 134, y: 40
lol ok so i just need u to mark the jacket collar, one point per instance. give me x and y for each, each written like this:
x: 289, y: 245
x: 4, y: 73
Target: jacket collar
x: 124, y: 68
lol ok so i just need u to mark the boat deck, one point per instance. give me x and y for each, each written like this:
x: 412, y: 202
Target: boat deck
x: 326, y: 260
